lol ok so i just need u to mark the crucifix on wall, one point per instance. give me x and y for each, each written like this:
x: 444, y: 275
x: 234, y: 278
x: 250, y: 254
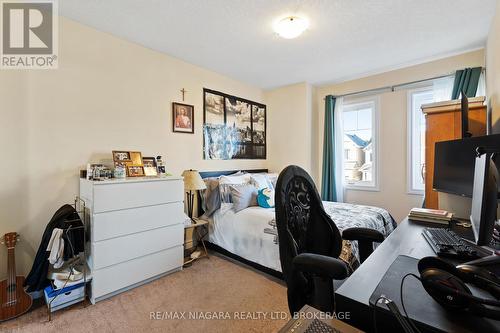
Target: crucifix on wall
x: 183, y: 91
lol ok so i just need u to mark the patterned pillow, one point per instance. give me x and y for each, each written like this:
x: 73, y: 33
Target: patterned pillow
x: 272, y: 178
x: 226, y: 181
x: 265, y: 198
x: 259, y: 180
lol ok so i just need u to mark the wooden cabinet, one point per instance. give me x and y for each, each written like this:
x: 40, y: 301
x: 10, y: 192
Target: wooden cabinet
x: 444, y: 122
x: 136, y: 231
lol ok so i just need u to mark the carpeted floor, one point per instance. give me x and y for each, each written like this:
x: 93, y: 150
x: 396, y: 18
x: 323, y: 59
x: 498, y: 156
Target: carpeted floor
x: 215, y: 287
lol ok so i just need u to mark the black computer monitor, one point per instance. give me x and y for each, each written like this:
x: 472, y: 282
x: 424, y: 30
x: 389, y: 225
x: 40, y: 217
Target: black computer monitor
x: 484, y: 199
x: 454, y: 163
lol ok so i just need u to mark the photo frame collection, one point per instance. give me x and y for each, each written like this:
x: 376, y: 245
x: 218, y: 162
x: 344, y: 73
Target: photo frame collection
x: 134, y: 164
x: 234, y: 128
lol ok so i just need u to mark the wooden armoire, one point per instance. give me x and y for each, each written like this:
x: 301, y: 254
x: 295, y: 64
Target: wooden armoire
x: 444, y: 122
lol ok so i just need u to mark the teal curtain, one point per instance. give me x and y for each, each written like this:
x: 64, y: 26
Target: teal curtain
x: 466, y: 79
x: 328, y: 186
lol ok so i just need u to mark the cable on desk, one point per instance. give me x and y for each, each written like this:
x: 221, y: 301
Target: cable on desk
x: 403, y: 303
x: 375, y: 312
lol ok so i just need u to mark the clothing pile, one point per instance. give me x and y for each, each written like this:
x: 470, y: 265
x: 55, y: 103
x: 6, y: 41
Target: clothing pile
x: 62, y: 242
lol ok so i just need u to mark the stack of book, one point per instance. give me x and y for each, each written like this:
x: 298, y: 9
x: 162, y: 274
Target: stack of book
x: 430, y: 215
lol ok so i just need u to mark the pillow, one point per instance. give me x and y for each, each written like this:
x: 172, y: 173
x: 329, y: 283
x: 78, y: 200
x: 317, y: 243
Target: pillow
x: 226, y: 181
x: 238, y: 178
x: 259, y: 180
x: 210, y: 197
x: 272, y: 179
x: 243, y: 196
x: 265, y: 198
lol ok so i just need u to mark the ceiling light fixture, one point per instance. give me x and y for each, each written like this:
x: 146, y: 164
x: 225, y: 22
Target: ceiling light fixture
x: 291, y: 26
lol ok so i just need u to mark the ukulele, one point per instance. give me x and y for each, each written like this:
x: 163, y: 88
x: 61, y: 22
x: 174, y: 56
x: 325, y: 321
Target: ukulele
x: 14, y: 301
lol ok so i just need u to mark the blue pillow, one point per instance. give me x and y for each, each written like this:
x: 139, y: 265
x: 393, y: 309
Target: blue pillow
x: 265, y: 198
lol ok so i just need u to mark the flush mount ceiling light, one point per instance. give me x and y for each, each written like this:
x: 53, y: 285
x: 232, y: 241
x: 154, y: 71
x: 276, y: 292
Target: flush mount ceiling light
x: 291, y: 26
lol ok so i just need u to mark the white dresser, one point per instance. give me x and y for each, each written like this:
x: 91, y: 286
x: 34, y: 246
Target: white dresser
x: 136, y: 231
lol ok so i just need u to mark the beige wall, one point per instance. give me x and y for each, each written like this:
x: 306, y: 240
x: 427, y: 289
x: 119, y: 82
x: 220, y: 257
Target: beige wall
x: 392, y: 133
x: 493, y: 70
x: 107, y: 94
x: 290, y: 123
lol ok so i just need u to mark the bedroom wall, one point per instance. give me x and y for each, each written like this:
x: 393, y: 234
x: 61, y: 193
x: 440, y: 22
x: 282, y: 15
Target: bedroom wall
x: 393, y: 194
x: 107, y: 94
x: 493, y: 70
x: 290, y: 117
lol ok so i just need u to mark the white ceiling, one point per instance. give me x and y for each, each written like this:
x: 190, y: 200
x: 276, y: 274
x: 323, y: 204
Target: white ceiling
x: 346, y: 38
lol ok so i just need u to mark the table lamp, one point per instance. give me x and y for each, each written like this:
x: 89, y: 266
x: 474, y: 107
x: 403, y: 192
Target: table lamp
x: 192, y: 183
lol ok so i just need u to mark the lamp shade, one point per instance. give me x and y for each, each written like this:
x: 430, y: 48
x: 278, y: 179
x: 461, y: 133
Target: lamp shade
x: 193, y: 180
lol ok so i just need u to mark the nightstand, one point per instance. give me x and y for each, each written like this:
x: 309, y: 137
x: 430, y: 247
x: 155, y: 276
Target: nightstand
x: 199, y: 230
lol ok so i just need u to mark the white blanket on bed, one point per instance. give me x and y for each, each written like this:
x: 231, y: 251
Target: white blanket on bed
x: 251, y: 233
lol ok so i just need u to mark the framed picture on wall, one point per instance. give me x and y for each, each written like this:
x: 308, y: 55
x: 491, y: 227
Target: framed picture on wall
x: 183, y: 118
x: 233, y: 127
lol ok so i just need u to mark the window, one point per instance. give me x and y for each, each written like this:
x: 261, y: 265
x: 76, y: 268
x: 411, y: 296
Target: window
x: 416, y: 137
x: 360, y: 143
x: 436, y: 91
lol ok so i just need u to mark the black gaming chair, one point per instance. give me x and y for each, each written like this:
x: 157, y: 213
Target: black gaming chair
x: 310, y: 243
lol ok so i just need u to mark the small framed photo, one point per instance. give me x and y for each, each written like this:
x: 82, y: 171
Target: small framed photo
x: 183, y: 118
x: 121, y: 156
x: 135, y: 171
x: 135, y: 158
x: 149, y: 166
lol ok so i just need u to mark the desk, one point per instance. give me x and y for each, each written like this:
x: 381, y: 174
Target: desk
x: 355, y: 292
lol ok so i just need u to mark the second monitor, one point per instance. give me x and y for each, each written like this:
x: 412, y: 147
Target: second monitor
x: 484, y: 199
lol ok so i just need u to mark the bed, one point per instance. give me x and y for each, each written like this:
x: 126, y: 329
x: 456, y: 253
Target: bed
x: 250, y: 235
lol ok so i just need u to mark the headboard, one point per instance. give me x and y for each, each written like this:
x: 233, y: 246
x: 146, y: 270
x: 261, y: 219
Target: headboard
x: 208, y: 174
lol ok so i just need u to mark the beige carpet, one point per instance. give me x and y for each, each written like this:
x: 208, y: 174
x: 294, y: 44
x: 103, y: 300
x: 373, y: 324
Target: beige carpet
x: 209, y: 285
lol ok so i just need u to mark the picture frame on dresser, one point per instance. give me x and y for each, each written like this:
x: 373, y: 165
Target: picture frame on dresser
x: 150, y: 166
x: 135, y: 171
x: 120, y: 156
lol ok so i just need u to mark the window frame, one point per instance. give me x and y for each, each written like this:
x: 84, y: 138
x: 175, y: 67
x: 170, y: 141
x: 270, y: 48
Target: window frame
x: 410, y: 130
x: 374, y: 185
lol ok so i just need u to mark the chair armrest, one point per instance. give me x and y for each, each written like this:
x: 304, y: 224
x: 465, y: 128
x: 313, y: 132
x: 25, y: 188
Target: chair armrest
x: 363, y: 234
x: 321, y: 265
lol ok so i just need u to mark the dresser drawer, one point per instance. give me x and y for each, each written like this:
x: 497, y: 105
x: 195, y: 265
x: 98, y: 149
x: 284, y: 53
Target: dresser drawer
x: 113, y: 278
x: 116, y: 250
x: 109, y: 196
x: 123, y: 222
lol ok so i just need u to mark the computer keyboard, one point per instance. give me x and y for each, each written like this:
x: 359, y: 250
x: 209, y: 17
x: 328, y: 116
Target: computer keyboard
x: 317, y: 326
x: 446, y: 243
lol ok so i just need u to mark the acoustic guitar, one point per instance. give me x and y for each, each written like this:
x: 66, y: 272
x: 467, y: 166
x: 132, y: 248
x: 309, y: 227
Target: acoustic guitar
x: 14, y: 301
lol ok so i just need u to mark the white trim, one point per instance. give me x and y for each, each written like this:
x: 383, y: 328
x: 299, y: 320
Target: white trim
x: 409, y: 138
x: 375, y: 184
x: 339, y: 147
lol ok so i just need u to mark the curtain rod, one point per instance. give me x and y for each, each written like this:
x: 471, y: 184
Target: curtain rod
x: 394, y: 87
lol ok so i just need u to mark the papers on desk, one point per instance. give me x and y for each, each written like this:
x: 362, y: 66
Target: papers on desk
x: 437, y: 216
